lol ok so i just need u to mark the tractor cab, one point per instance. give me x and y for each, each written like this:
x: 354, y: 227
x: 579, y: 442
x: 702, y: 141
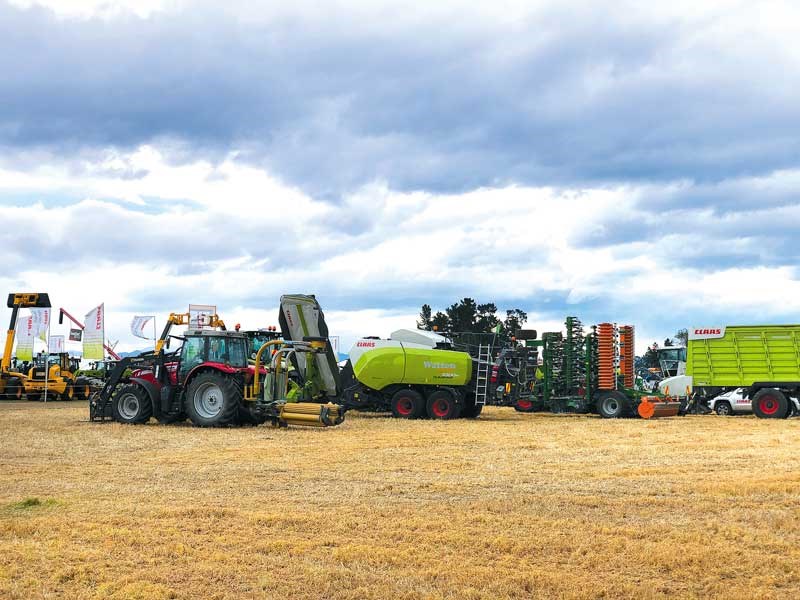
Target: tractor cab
x: 208, y: 346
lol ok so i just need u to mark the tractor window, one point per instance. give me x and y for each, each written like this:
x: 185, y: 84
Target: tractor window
x: 237, y: 352
x: 230, y: 351
x: 192, y: 353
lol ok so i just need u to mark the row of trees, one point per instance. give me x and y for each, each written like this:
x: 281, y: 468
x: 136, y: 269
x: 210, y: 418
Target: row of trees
x: 468, y: 315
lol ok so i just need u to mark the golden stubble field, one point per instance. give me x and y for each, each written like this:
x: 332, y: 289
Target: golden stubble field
x: 508, y: 506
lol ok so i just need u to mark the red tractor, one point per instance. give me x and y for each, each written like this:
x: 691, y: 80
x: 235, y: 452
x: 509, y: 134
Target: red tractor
x: 210, y: 380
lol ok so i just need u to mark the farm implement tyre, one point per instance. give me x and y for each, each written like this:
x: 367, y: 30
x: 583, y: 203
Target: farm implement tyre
x: 131, y: 404
x: 471, y: 410
x: 213, y: 400
x: 68, y: 393
x: 524, y: 405
x: 769, y: 403
x: 407, y: 404
x: 723, y: 409
x: 613, y: 405
x: 13, y: 389
x: 82, y: 388
x: 247, y: 416
x: 442, y: 405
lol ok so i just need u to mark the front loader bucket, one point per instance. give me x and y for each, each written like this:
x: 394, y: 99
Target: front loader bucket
x: 653, y: 406
x: 310, y: 414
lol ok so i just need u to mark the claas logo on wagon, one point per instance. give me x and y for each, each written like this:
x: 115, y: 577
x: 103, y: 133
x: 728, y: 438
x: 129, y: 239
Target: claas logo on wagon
x: 707, y: 331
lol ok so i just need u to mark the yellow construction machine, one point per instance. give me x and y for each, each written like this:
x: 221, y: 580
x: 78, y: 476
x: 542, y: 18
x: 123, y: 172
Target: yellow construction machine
x: 12, y: 383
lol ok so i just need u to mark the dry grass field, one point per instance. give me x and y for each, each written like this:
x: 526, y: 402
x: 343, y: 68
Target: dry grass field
x: 508, y: 506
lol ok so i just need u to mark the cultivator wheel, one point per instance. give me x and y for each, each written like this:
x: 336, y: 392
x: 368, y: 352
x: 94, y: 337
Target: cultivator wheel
x: 613, y: 405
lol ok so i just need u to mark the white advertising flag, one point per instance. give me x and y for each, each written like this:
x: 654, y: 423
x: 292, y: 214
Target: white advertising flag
x: 25, y: 339
x: 41, y: 322
x: 94, y: 334
x: 138, y: 324
x: 200, y: 315
x: 56, y: 345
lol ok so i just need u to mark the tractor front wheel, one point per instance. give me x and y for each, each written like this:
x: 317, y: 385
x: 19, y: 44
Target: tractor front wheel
x: 131, y: 404
x: 213, y: 400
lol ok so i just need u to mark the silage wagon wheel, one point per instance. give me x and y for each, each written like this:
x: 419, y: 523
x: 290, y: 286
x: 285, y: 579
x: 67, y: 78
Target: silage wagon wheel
x: 407, y: 404
x: 213, y: 400
x: 442, y: 404
x: 769, y: 403
x: 613, y: 405
x: 131, y: 404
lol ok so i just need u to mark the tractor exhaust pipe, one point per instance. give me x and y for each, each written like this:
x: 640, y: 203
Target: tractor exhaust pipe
x: 310, y: 414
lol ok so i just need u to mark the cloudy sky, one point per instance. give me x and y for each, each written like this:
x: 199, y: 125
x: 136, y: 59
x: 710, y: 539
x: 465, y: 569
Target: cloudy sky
x: 633, y: 164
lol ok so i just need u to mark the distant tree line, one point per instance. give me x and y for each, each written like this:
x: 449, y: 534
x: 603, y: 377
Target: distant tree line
x: 467, y: 315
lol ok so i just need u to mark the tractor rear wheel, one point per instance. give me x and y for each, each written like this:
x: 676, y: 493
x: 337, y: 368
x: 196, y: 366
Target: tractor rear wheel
x: 769, y: 403
x: 213, y: 400
x: 442, y: 405
x: 131, y: 404
x: 408, y: 404
x: 613, y: 405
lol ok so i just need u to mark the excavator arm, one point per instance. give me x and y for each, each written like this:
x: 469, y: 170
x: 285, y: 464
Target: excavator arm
x: 15, y: 302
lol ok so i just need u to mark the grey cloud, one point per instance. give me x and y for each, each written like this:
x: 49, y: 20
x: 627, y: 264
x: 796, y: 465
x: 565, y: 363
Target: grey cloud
x: 567, y: 95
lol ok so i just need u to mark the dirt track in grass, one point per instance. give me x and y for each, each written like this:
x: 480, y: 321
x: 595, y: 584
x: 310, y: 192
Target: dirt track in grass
x: 508, y: 506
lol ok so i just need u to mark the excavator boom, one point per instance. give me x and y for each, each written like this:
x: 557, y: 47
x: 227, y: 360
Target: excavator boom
x: 15, y: 302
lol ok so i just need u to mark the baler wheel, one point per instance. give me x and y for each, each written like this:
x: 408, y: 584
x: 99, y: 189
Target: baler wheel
x: 442, y: 405
x: 408, y: 404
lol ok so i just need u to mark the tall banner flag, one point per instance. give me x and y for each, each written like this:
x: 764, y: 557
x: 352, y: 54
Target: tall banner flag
x: 94, y: 334
x: 25, y: 339
x: 56, y: 344
x: 138, y: 324
x: 41, y: 322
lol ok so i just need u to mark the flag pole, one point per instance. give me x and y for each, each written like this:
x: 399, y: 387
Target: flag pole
x: 47, y: 359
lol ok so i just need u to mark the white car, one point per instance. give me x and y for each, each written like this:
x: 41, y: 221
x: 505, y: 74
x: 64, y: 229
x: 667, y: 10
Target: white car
x: 735, y: 402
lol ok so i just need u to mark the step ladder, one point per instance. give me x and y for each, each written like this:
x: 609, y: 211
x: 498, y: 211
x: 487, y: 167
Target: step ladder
x: 482, y: 380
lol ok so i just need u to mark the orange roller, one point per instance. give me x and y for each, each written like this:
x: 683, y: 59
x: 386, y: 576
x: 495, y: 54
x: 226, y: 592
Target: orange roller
x: 605, y: 357
x: 653, y: 406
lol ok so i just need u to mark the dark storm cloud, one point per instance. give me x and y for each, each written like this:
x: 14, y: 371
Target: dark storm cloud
x: 562, y: 96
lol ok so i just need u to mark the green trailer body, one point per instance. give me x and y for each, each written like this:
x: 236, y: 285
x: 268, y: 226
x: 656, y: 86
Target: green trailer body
x: 740, y: 356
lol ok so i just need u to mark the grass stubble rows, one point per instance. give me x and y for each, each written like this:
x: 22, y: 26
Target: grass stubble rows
x: 507, y: 506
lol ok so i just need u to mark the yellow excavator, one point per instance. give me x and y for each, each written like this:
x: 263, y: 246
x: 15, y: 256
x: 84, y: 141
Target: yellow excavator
x: 54, y: 374
x: 13, y: 383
